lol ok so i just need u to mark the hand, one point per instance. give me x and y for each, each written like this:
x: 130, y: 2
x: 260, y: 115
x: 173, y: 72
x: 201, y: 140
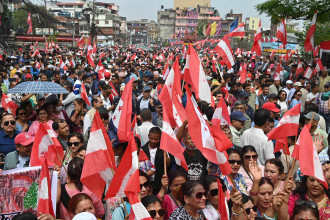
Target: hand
x: 164, y: 182
x: 77, y: 109
x: 255, y: 170
x: 318, y: 143
x: 326, y: 171
x: 290, y: 185
x: 236, y: 197
x: 151, y: 102
x: 278, y: 200
x: 45, y: 216
x: 127, y: 217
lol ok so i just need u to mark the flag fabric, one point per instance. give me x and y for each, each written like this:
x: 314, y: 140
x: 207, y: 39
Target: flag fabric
x: 133, y: 57
x: 319, y: 66
x: 196, y: 76
x: 29, y: 22
x: 300, y: 68
x: 46, y: 146
x: 83, y: 94
x: 308, y: 73
x: 238, y: 32
x: 308, y: 157
x: 80, y: 41
x: 309, y: 41
x: 136, y: 130
x: 208, y: 29
x: 219, y: 29
x: 99, y: 162
x: 90, y: 56
x: 35, y: 53
x: 200, y: 133
x: 233, y: 25
x: 221, y: 114
x: 45, y: 204
x: 62, y: 64
x: 288, y: 125
x: 166, y: 71
x: 256, y: 47
x: 272, y: 54
x: 242, y: 73
x: 282, y: 144
x: 316, y: 51
x: 281, y: 33
x: 100, y: 70
x: 214, y: 64
x: 213, y: 28
x: 8, y: 104
x: 224, y: 50
x: 222, y: 203
x: 120, y: 122
x: 127, y: 167
x: 170, y: 97
x: 94, y: 47
x: 170, y: 143
x: 132, y: 189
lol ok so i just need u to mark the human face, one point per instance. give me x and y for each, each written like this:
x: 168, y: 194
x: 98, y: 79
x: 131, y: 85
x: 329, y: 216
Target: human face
x: 314, y: 188
x: 298, y: 95
x: 22, y: 114
x: 85, y: 205
x: 144, y: 190
x: 272, y: 173
x: 57, y: 78
x: 190, y: 145
x: 82, y: 154
x: 305, y: 215
x: 63, y: 129
x: 157, y: 209
x: 43, y: 78
x: 249, y: 156
x: 213, y: 198
x: 283, y: 96
x: 265, y: 195
x: 43, y: 115
x: 146, y: 94
x: 8, y: 123
x: 265, y: 90
x: 240, y: 108
x: 194, y: 202
x: 154, y: 140
x: 99, y: 103
x: 24, y: 151
x: 269, y: 126
x: 73, y: 147
x: 176, y: 185
x: 235, y: 162
x: 238, y: 125
x: 114, y: 80
x: 248, y: 89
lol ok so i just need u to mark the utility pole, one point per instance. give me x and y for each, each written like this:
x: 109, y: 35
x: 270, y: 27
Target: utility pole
x: 47, y: 12
x: 93, y: 28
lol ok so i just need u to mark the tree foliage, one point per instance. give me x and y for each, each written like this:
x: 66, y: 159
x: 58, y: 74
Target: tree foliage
x: 295, y: 9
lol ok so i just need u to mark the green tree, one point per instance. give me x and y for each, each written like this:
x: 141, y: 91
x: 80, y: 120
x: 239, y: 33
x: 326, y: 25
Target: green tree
x: 200, y: 26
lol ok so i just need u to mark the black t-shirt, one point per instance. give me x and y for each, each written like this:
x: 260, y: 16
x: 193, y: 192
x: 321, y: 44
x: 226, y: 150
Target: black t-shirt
x: 196, y: 165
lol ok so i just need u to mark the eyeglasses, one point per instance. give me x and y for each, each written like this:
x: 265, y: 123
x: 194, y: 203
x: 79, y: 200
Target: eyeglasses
x: 145, y: 185
x: 248, y: 210
x: 153, y: 213
x: 310, y: 204
x: 235, y: 161
x: 248, y: 157
x: 12, y: 122
x: 200, y: 195
x: 214, y: 192
x: 76, y: 144
x: 22, y: 113
x: 299, y: 95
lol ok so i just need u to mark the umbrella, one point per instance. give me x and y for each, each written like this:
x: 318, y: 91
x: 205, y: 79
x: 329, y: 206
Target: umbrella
x: 38, y: 87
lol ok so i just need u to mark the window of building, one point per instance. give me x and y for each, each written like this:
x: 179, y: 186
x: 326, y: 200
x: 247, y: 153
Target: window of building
x: 80, y: 6
x: 69, y: 6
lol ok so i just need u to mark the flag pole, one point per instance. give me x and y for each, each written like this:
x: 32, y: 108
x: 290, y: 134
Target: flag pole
x: 62, y: 163
x: 286, y: 156
x: 165, y: 156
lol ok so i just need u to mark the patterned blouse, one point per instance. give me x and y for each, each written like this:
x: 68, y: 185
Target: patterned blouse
x: 181, y: 214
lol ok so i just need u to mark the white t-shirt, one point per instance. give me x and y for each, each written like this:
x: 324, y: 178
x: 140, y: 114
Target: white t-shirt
x: 152, y: 160
x: 310, y: 96
x: 144, y: 103
x: 22, y: 161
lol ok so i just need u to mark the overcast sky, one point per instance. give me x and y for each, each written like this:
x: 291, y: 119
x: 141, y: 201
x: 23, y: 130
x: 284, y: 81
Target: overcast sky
x: 137, y: 9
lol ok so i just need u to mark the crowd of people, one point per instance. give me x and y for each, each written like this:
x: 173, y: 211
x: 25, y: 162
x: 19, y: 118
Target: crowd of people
x: 258, y: 186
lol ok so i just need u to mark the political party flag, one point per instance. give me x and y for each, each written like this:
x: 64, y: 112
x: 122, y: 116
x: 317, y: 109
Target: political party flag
x: 29, y: 22
x: 281, y: 33
x: 238, y: 32
x: 256, y: 47
x: 8, y: 104
x: 224, y: 50
x: 309, y: 41
x: 233, y: 25
x: 83, y: 94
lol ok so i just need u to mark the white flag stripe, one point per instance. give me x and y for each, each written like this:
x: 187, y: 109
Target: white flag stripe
x: 98, y: 142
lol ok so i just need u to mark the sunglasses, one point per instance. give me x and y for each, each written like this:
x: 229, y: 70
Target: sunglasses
x: 214, y: 192
x: 145, y: 185
x: 105, y: 117
x: 248, y: 210
x: 12, y: 122
x: 298, y: 95
x: 22, y: 113
x: 153, y: 213
x: 76, y: 144
x: 235, y: 161
x: 310, y: 204
x: 200, y: 195
x: 248, y: 157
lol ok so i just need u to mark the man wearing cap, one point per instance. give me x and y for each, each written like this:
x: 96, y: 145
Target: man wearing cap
x: 16, y: 69
x: 324, y: 105
x: 275, y: 87
x: 34, y: 70
x: 21, y: 157
x: 324, y: 78
x: 146, y: 101
x: 288, y: 88
x: 237, y: 120
x: 274, y: 111
x: 296, y: 86
x: 244, y: 96
x: 28, y: 77
x: 315, y: 130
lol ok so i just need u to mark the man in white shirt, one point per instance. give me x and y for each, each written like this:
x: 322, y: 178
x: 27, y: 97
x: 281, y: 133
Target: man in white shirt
x: 256, y: 137
x: 287, y: 89
x: 311, y: 97
x: 104, y: 95
x: 97, y: 102
x: 68, y: 101
x: 146, y: 125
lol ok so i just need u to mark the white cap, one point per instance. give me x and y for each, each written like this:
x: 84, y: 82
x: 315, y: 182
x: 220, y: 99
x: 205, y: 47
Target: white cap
x: 297, y: 84
x: 84, y: 216
x: 289, y: 82
x: 239, y: 55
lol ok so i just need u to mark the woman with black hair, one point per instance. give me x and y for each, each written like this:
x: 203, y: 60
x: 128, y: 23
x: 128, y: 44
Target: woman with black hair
x: 305, y: 210
x: 73, y: 187
x: 310, y: 189
x: 193, y: 200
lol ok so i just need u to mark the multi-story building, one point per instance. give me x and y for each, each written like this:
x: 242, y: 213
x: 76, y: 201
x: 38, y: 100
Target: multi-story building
x: 138, y: 31
x: 182, y: 4
x: 152, y: 32
x: 252, y: 23
x: 166, y: 24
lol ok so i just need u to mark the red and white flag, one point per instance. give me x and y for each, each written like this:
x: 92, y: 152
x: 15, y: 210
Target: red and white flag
x: 308, y: 73
x: 45, y: 204
x: 242, y: 73
x: 281, y: 33
x: 308, y: 157
x: 136, y: 130
x: 35, y: 53
x: 170, y: 143
x: 221, y: 114
x: 288, y: 125
x: 316, y: 51
x: 29, y: 22
x: 272, y: 54
x: 309, y: 41
x: 170, y: 97
x: 94, y: 47
x: 256, y: 47
x: 46, y: 146
x: 121, y: 119
x: 62, y: 64
x: 195, y: 73
x: 222, y: 203
x: 214, y: 64
x: 114, y: 91
x: 300, y: 68
x: 128, y: 165
x: 319, y: 66
x: 83, y: 94
x: 224, y: 50
x: 238, y: 32
x: 80, y: 41
x: 166, y: 71
x: 133, y: 57
x: 100, y: 69
x: 8, y: 104
x: 90, y: 56
x: 99, y: 162
x: 200, y: 133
